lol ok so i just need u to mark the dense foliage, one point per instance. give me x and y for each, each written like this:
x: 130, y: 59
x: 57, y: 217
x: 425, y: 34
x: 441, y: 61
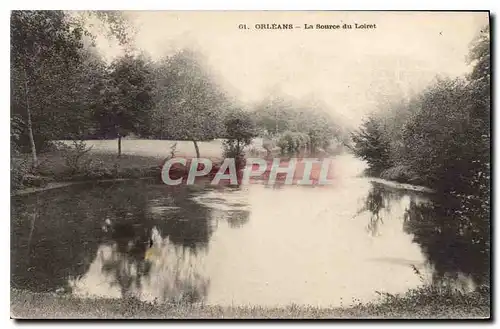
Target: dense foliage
x: 442, y: 134
x: 441, y: 139
x: 62, y: 88
x: 297, y: 125
x: 240, y: 129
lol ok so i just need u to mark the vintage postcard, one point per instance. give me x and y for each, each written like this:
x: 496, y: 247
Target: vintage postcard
x: 250, y: 164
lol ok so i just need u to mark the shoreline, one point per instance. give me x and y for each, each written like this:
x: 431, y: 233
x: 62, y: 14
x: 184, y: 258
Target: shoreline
x: 56, y: 185
x: 29, y: 305
x: 399, y: 185
x: 127, y: 167
x: 61, y: 184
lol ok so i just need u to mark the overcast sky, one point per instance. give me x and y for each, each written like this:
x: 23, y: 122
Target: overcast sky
x: 349, y: 70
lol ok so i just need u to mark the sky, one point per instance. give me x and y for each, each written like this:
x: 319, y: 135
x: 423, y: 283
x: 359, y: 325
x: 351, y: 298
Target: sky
x: 350, y: 71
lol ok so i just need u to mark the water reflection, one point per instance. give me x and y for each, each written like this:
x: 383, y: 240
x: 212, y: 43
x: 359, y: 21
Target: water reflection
x: 50, y: 243
x: 228, y: 205
x: 450, y: 243
x: 453, y: 249
x: 60, y: 233
x: 123, y: 240
x: 174, y: 274
x: 241, y: 245
x: 377, y: 201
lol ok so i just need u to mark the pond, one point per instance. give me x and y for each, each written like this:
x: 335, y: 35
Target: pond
x: 256, y: 244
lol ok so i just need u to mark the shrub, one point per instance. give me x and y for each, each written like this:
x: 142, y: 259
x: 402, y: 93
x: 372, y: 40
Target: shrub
x: 74, y: 156
x: 400, y: 173
x: 19, y: 169
x: 131, y: 173
x: 99, y: 173
x: 34, y: 181
x: 293, y: 142
x: 371, y: 145
x: 240, y: 130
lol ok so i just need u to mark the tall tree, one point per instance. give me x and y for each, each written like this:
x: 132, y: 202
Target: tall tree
x: 126, y: 98
x: 371, y: 146
x: 42, y: 43
x: 189, y: 98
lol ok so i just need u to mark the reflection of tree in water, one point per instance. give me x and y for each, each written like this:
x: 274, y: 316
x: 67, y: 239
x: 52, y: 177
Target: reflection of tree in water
x: 127, y: 271
x: 54, y: 234
x: 69, y: 228
x: 188, y: 224
x: 72, y: 226
x: 228, y: 204
x: 450, y: 233
x: 379, y: 198
x: 453, y: 239
x: 237, y: 218
x: 175, y: 274
x: 129, y: 229
x: 184, y: 224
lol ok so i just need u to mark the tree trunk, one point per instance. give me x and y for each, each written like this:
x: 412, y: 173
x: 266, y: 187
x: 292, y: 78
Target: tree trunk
x: 276, y: 118
x: 29, y: 123
x: 197, y: 149
x: 119, y: 145
x: 238, y: 151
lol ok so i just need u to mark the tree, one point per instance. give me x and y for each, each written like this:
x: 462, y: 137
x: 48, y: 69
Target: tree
x: 444, y: 138
x: 292, y: 142
x: 189, y: 101
x: 480, y: 118
x: 240, y: 130
x: 275, y: 114
x: 283, y: 117
x: 73, y: 118
x: 371, y: 146
x: 126, y: 98
x: 42, y: 43
x: 48, y: 48
x: 115, y: 23
x: 435, y: 136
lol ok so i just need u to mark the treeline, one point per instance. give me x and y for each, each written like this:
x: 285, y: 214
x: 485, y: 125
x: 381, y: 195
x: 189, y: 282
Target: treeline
x: 294, y: 125
x: 441, y: 139
x: 62, y: 88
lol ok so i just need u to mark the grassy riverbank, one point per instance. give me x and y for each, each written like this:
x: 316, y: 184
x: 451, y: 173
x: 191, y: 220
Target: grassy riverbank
x: 417, y: 304
x: 68, y: 163
x: 102, y: 165
x: 54, y: 171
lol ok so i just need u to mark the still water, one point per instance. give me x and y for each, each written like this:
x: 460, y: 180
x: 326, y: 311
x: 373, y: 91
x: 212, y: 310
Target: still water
x: 256, y: 244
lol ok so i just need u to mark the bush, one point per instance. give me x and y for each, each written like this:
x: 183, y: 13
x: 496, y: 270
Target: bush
x: 19, y: 169
x: 240, y: 130
x: 371, y: 145
x: 35, y: 181
x: 400, y: 173
x: 74, y: 156
x: 131, y: 173
x: 293, y: 142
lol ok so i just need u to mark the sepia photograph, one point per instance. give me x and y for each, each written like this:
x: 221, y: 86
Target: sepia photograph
x: 250, y: 164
